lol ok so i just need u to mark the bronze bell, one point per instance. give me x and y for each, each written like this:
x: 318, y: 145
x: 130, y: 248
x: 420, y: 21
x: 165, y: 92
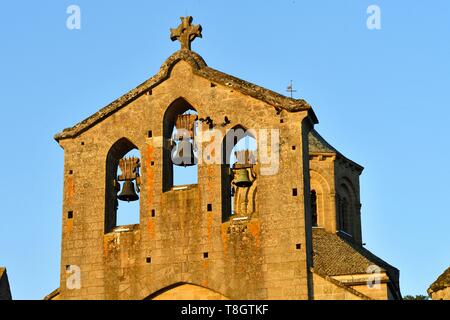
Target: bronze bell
x: 183, y: 154
x: 241, y: 178
x: 128, y: 192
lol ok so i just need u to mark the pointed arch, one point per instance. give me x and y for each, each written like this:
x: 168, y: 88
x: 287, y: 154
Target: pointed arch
x: 177, y: 107
x: 346, y: 204
x: 117, y: 151
x: 323, y: 195
x: 186, y: 291
x: 231, y: 139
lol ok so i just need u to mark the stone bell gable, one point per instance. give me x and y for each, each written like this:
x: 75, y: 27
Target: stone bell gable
x: 244, y: 230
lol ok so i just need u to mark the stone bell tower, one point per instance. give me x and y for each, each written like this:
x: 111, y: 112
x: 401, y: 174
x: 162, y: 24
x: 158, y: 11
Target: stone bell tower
x: 243, y: 231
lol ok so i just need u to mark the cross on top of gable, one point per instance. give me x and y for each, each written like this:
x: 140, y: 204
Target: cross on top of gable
x: 186, y: 32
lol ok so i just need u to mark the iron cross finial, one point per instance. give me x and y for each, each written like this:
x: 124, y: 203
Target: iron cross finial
x: 290, y: 89
x: 186, y: 32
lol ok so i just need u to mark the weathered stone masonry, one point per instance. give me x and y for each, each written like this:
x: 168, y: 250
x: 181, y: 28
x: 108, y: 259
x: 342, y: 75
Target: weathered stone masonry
x: 186, y: 243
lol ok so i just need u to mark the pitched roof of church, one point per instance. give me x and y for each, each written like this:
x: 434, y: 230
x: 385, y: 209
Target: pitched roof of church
x: 442, y: 282
x: 201, y: 69
x: 335, y: 256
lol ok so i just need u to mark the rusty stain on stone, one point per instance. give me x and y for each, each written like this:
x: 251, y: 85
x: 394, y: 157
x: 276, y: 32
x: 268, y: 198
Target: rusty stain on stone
x: 69, y: 226
x: 70, y: 190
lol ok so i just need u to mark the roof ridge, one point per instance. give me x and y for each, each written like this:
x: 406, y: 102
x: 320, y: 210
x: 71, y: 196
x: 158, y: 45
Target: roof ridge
x: 201, y: 69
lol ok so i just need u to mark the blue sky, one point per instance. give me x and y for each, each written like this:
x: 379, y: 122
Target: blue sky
x: 382, y: 98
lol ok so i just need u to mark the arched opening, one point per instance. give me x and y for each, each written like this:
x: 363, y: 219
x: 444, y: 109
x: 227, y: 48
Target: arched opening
x: 186, y: 291
x: 314, y: 208
x: 322, y: 204
x: 180, y: 148
x: 344, y: 209
x: 342, y: 205
x: 122, y: 185
x: 239, y: 155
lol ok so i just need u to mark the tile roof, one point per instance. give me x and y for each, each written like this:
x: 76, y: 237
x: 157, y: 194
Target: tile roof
x: 335, y: 256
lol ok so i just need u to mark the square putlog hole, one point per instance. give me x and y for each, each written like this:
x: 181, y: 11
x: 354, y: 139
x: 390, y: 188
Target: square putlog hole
x: 148, y: 260
x: 298, y: 246
x: 70, y: 215
x: 205, y: 255
x: 294, y: 192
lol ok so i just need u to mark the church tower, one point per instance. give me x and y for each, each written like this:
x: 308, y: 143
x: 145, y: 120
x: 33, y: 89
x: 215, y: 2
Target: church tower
x: 271, y: 203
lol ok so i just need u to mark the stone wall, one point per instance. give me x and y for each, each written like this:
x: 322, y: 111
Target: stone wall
x: 326, y: 290
x: 360, y: 283
x: 443, y: 294
x: 333, y: 177
x: 181, y: 237
x: 323, y: 182
x: 188, y: 292
x: 347, y: 185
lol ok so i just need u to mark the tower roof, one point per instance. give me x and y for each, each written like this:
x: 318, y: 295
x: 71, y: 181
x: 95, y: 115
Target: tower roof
x: 317, y: 144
